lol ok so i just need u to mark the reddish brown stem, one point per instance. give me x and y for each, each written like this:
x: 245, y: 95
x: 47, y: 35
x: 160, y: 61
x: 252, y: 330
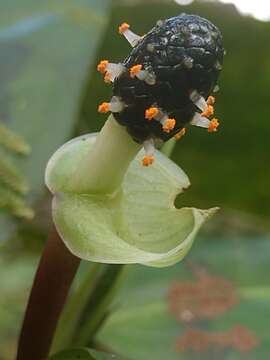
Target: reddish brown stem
x: 56, y: 270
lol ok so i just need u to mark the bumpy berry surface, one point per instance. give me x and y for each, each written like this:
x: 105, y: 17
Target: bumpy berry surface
x: 185, y: 53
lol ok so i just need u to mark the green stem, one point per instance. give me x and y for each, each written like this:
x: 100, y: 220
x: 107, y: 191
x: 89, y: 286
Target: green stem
x: 98, y: 302
x: 53, y: 279
x: 103, y: 169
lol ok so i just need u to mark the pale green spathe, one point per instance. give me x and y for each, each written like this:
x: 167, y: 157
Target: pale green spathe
x: 137, y: 224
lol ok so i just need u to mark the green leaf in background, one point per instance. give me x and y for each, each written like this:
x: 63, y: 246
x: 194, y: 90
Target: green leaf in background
x: 16, y: 276
x: 83, y: 354
x: 46, y: 48
x: 158, y: 311
x: 13, y: 186
x: 73, y: 354
x: 12, y: 141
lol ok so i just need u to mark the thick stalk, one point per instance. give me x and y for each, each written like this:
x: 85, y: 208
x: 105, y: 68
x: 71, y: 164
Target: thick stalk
x: 103, y: 168
x: 54, y: 276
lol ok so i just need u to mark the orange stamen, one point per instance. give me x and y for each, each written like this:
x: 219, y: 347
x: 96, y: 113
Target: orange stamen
x: 208, y: 112
x: 180, y: 134
x: 169, y: 125
x: 211, y: 100
x: 104, y: 107
x: 151, y: 113
x: 123, y: 27
x: 107, y: 77
x: 102, y: 66
x: 135, y: 70
x: 148, y: 160
x: 214, y: 123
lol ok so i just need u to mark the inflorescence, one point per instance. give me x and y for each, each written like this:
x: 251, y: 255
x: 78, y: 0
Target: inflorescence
x: 167, y: 81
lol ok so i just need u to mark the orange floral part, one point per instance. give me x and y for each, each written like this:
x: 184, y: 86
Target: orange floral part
x: 102, y: 66
x: 123, y: 27
x: 180, y: 134
x: 211, y: 100
x: 104, y: 107
x: 107, y: 77
x: 169, y: 125
x: 209, y: 112
x: 148, y: 160
x: 214, y: 124
x: 151, y: 113
x: 134, y: 70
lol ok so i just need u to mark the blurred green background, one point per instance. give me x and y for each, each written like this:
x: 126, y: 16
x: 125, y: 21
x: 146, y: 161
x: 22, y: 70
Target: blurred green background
x: 49, y: 92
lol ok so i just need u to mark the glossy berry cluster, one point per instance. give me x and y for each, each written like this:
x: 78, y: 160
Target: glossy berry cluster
x: 184, y: 53
x: 167, y: 80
